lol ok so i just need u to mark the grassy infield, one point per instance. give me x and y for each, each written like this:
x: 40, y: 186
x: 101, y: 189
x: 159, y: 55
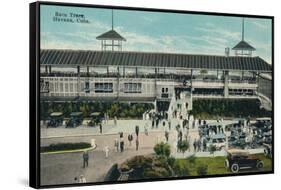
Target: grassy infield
x: 216, y: 165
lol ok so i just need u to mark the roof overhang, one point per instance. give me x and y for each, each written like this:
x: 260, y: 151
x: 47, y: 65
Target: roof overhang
x: 74, y: 58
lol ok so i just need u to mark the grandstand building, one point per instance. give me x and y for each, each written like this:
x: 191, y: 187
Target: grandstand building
x: 116, y: 75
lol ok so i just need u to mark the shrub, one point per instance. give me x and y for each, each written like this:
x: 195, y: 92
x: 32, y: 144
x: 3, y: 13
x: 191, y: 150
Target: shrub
x: 183, y: 146
x: 181, y: 169
x: 156, y: 172
x: 162, y: 149
x: 202, y: 170
x: 191, y: 159
x: 171, y: 161
x: 207, y: 108
x: 146, y: 167
x: 65, y: 146
x: 113, y: 174
x: 139, y: 161
x: 124, y: 167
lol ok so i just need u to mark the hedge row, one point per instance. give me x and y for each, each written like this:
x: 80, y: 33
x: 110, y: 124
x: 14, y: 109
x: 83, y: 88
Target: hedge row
x: 118, y: 109
x: 227, y: 108
x: 65, y: 146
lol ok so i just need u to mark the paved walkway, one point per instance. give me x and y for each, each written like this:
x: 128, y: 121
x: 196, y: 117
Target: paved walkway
x: 63, y: 168
x: 127, y: 126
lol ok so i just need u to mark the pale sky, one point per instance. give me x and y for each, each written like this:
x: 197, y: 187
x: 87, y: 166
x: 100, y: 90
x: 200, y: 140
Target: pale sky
x: 155, y: 31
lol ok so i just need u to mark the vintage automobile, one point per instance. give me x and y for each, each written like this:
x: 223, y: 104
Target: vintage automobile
x: 75, y: 120
x: 238, y: 143
x: 217, y: 140
x: 240, y: 159
x: 267, y: 150
x: 261, y: 122
x: 56, y: 119
x: 96, y: 118
x: 240, y: 121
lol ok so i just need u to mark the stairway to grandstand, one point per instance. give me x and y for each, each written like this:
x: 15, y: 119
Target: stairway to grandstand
x: 180, y: 104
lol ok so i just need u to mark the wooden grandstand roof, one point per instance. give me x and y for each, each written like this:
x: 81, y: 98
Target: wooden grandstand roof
x: 67, y: 58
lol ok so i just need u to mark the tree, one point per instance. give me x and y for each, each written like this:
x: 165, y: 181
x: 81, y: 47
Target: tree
x: 162, y: 149
x: 183, y: 146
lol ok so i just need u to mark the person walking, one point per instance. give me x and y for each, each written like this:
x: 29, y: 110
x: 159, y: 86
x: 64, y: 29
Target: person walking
x: 137, y: 130
x: 163, y: 123
x: 146, y: 129
x: 157, y: 122
x: 248, y: 121
x: 137, y: 143
x: 130, y: 139
x: 204, y: 122
x: 167, y: 136
x: 115, y: 121
x: 106, y: 150
x: 116, y: 145
x: 180, y: 135
x: 193, y: 124
x: 204, y: 145
x: 199, y: 145
x: 100, y: 128
x: 194, y: 145
x: 121, y: 143
x: 170, y: 125
x: 104, y: 115
x: 85, y: 159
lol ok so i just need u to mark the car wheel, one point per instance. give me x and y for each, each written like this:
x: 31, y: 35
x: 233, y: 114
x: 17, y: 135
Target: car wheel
x: 260, y: 164
x: 235, y: 168
x: 265, y: 152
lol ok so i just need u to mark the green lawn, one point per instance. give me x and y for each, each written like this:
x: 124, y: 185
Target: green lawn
x: 162, y: 167
x: 216, y: 165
